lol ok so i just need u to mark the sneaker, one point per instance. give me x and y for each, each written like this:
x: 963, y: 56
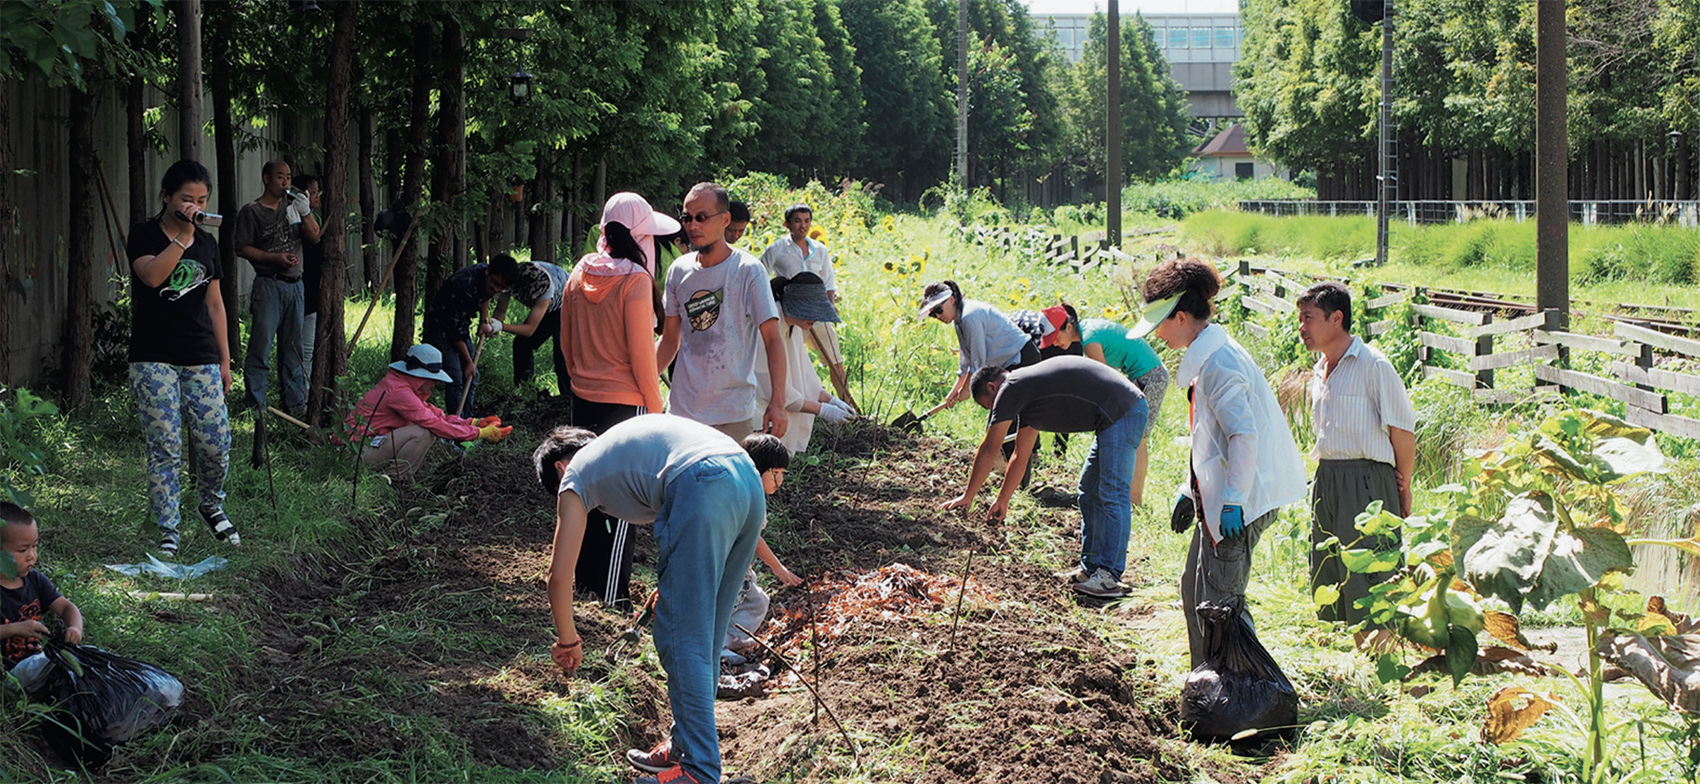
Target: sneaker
x: 1102, y: 585
x: 168, y: 541
x: 221, y: 526
x: 673, y: 775
x: 657, y: 759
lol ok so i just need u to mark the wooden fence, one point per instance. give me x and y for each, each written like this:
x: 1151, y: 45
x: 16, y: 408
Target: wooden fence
x: 1639, y: 356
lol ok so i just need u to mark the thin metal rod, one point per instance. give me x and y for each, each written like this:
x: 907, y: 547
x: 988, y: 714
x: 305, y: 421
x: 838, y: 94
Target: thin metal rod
x: 961, y: 591
x: 855, y: 753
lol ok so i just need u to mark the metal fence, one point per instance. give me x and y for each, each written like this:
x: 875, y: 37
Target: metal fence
x: 1588, y: 213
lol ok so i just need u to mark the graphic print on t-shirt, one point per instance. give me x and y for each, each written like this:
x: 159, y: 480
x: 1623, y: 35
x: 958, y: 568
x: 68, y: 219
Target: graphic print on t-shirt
x: 18, y: 647
x: 188, y: 276
x: 703, y: 308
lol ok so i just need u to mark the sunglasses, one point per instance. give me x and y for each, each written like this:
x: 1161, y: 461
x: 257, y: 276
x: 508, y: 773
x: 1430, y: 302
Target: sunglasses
x: 937, y: 311
x: 686, y: 217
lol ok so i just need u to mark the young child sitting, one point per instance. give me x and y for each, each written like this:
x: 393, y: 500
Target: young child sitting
x: 24, y: 599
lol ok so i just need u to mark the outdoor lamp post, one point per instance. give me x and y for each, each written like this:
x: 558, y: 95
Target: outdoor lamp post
x: 519, y: 87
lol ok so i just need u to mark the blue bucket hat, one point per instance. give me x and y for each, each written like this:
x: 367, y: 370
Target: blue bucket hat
x: 423, y: 361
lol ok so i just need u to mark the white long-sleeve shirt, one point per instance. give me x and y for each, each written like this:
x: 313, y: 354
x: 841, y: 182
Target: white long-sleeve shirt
x: 1242, y: 452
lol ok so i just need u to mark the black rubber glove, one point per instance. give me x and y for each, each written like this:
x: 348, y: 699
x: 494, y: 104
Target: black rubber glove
x: 1181, y: 519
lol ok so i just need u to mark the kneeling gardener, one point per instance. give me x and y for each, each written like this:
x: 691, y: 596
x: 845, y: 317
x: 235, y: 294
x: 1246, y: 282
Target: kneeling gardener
x: 1067, y: 395
x: 704, y: 496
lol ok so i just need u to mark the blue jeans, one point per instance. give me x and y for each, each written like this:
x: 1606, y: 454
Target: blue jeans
x: 706, y: 537
x: 276, y: 308
x: 457, y: 379
x: 1106, y: 513
x: 174, y: 400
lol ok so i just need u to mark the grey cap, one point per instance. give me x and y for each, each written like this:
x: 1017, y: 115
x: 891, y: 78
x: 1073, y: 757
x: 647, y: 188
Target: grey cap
x: 803, y: 297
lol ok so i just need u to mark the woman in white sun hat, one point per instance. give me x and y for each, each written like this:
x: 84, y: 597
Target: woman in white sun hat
x: 608, y: 322
x: 397, y: 422
x: 1244, y: 465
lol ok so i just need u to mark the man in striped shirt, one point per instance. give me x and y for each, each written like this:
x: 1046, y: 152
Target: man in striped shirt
x: 1365, y: 447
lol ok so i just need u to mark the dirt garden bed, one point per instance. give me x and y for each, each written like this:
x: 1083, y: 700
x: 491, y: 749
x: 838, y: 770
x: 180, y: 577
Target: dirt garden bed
x: 449, y: 624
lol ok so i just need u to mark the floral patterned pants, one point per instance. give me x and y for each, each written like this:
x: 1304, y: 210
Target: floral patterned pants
x: 173, y: 399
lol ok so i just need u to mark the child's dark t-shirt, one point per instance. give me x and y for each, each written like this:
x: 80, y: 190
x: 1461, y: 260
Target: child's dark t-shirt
x: 27, y: 602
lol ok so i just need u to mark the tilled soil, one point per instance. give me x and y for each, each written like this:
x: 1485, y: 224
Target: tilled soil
x: 1025, y: 692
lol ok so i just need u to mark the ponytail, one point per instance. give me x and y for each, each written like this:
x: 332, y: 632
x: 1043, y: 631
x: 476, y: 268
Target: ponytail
x: 622, y: 245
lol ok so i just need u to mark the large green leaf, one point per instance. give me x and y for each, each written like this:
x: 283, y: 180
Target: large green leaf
x: 1603, y: 425
x: 1460, y: 653
x: 8, y: 565
x: 1554, y: 457
x: 1579, y: 559
x: 1506, y: 560
x: 1621, y: 458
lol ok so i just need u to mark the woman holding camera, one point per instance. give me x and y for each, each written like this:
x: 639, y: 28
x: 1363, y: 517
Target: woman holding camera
x: 180, y: 352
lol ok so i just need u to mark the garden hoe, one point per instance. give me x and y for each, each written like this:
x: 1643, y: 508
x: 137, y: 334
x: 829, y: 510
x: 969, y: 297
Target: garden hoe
x: 911, y: 423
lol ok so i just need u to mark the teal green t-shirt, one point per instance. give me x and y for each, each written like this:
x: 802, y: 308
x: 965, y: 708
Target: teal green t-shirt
x: 1132, y: 356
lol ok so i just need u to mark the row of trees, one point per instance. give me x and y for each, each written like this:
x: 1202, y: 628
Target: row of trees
x: 645, y: 95
x: 1308, y: 80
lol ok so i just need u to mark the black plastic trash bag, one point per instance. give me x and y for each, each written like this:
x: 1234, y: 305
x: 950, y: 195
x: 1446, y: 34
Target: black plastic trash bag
x: 101, y: 700
x: 1239, y: 693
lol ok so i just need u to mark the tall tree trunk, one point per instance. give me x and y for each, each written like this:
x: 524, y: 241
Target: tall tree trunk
x: 222, y: 19
x: 330, y: 359
x: 412, y: 190
x: 135, y: 134
x: 454, y: 55
x: 189, y: 79
x: 538, y: 230
x: 6, y: 231
x: 79, y: 253
x: 439, y: 249
x: 369, y: 252
x: 395, y: 156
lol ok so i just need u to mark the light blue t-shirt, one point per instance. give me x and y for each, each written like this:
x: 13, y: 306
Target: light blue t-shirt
x: 625, y: 471
x: 987, y: 337
x: 1132, y: 356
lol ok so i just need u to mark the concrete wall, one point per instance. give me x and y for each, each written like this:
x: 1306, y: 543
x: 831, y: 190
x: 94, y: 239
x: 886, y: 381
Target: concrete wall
x: 35, y: 299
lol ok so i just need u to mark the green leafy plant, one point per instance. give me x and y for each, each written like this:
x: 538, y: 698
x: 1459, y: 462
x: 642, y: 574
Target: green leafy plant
x: 1541, y: 520
x: 22, y: 452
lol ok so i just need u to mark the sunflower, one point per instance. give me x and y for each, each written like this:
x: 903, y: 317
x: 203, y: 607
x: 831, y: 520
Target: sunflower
x: 818, y: 234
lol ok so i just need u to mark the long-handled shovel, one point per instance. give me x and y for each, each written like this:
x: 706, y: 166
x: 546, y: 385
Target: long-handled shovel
x: 911, y: 423
x: 467, y: 374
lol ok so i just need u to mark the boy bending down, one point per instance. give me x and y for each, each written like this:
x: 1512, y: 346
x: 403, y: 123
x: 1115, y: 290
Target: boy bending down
x: 704, y: 496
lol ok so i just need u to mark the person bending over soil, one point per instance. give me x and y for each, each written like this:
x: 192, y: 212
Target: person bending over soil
x: 704, y: 496
x: 1067, y: 395
x: 398, y: 423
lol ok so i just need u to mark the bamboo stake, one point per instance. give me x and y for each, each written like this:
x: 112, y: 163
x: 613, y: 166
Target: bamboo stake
x: 961, y: 591
x: 378, y: 292
x: 287, y: 418
x: 855, y: 753
x: 468, y: 374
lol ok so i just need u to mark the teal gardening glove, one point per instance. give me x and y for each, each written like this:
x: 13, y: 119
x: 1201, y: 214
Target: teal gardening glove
x: 1233, y: 521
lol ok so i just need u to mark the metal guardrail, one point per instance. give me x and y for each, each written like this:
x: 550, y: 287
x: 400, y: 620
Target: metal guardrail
x: 1588, y: 213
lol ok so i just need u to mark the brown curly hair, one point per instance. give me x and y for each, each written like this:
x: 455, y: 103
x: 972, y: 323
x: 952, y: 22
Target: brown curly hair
x: 1196, y: 281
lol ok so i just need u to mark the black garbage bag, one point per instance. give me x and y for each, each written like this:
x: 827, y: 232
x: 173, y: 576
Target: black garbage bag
x: 1239, y: 693
x: 101, y: 700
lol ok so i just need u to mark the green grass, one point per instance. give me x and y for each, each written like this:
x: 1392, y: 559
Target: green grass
x: 1357, y: 729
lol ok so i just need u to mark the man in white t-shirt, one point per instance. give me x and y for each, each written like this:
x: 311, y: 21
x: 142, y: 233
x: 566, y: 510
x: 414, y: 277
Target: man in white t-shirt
x: 799, y: 252
x: 718, y: 305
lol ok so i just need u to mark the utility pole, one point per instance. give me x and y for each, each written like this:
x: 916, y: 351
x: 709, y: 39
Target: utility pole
x: 1113, y: 129
x: 962, y: 93
x: 1552, y: 210
x: 1387, y: 180
x: 189, y: 80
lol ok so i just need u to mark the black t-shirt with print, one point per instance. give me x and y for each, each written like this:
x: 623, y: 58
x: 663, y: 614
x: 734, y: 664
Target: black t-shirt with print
x: 27, y: 602
x: 170, y: 323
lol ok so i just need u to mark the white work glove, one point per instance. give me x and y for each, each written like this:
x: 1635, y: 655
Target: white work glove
x: 833, y: 399
x: 294, y: 215
x: 303, y: 205
x: 493, y: 326
x: 834, y: 414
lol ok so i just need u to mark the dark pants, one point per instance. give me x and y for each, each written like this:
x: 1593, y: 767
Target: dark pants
x: 548, y: 331
x: 459, y: 377
x: 605, y: 559
x: 1217, y: 573
x: 1343, y: 488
